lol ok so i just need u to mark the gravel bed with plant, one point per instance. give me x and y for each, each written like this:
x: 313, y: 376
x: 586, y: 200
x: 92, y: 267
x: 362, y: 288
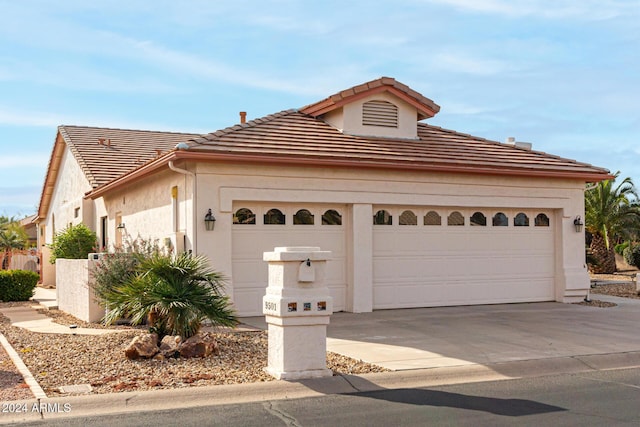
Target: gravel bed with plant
x: 98, y: 360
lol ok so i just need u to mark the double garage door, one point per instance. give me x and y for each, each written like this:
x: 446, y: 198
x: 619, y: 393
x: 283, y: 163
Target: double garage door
x: 421, y: 257
x: 441, y: 257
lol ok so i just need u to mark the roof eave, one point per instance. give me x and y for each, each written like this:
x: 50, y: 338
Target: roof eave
x: 51, y: 176
x: 200, y: 155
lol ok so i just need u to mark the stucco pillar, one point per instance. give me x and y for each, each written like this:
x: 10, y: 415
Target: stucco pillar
x: 572, y: 277
x: 297, y: 308
x: 360, y: 296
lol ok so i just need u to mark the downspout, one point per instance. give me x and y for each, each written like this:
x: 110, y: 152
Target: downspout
x: 195, y: 201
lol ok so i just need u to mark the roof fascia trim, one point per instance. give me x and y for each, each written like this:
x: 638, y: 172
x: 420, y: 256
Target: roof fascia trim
x: 162, y: 161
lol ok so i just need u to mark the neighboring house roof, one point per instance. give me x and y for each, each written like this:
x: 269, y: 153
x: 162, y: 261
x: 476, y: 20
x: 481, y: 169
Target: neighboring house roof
x: 105, y: 154
x: 426, y: 107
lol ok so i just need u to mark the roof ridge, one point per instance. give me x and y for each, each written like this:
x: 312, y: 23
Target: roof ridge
x: 129, y: 130
x: 208, y: 137
x: 426, y: 107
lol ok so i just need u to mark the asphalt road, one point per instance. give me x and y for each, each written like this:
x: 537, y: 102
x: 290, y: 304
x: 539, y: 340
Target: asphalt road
x: 588, y: 399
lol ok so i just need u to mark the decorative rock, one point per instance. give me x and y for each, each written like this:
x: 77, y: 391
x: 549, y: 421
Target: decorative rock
x: 170, y: 346
x: 199, y: 345
x: 142, y: 346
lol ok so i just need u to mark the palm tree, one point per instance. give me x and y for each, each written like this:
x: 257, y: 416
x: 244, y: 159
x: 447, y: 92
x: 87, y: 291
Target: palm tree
x: 12, y: 236
x: 174, y: 294
x: 610, y: 212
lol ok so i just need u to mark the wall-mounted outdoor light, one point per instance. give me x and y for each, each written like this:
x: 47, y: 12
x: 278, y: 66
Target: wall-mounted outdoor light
x: 120, y: 226
x: 577, y: 223
x: 209, y: 221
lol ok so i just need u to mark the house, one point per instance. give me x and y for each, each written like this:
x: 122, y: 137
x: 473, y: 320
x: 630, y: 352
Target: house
x: 83, y: 159
x: 415, y: 215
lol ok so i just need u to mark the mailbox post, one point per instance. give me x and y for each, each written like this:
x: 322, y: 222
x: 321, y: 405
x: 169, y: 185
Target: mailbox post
x: 297, y: 307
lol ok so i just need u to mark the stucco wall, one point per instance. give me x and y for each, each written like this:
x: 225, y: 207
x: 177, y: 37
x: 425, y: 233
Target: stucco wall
x: 74, y: 294
x: 349, y: 118
x: 220, y: 186
x: 147, y: 209
x: 68, y: 195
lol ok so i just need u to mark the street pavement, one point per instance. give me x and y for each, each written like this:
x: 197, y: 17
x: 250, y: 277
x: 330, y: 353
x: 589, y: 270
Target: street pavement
x: 424, y: 348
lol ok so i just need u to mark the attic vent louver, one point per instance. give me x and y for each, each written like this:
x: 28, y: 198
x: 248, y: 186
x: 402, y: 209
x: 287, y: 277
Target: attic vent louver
x: 380, y: 113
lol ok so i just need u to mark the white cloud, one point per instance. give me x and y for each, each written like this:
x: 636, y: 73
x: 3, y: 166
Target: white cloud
x: 464, y: 63
x: 210, y: 69
x: 558, y: 9
x: 36, y: 119
x: 25, y: 160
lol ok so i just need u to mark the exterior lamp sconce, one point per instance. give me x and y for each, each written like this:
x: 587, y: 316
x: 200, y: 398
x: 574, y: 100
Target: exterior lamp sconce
x: 209, y: 221
x: 577, y: 223
x: 120, y: 226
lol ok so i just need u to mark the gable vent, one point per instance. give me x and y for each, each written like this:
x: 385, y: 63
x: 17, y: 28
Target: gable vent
x: 380, y: 113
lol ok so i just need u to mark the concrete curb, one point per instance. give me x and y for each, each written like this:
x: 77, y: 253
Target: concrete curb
x: 130, y: 402
x: 22, y: 368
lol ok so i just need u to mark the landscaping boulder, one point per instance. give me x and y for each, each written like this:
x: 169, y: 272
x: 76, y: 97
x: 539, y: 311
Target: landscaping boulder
x: 199, y: 345
x: 170, y: 346
x: 142, y: 346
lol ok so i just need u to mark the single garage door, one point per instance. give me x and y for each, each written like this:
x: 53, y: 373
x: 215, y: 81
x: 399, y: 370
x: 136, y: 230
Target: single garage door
x: 442, y: 257
x: 258, y: 228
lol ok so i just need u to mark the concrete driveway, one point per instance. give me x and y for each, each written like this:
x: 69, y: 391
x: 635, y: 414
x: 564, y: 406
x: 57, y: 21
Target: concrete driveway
x: 482, y: 335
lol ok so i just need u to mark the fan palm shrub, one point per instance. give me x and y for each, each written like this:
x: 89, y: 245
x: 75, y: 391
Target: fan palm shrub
x: 611, y: 211
x: 173, y: 294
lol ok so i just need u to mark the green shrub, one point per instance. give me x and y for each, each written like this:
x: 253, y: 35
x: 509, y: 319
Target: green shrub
x: 74, y: 242
x: 173, y: 294
x: 119, y: 267
x: 632, y: 255
x: 17, y: 285
x: 620, y: 247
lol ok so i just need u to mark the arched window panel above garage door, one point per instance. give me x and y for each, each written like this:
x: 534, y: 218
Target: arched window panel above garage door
x: 303, y: 217
x: 331, y: 217
x: 382, y: 217
x: 244, y: 216
x: 274, y: 217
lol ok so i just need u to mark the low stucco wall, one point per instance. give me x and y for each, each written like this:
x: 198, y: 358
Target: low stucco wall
x: 48, y: 270
x: 75, y: 296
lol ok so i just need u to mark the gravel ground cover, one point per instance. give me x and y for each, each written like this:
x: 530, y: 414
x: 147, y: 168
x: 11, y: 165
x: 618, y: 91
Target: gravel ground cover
x: 625, y: 290
x: 98, y: 360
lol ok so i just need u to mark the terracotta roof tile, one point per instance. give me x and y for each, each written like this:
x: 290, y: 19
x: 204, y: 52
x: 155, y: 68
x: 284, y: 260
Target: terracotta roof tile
x: 292, y: 134
x: 126, y: 149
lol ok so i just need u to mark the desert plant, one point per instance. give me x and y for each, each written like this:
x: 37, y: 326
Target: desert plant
x: 632, y: 255
x: 117, y: 268
x: 174, y: 294
x: 620, y: 247
x: 610, y: 211
x: 74, y: 242
x: 17, y: 285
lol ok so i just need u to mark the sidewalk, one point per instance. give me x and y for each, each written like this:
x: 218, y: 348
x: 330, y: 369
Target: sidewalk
x: 28, y: 318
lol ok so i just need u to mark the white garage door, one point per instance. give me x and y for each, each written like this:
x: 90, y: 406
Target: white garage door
x: 438, y: 257
x: 258, y: 228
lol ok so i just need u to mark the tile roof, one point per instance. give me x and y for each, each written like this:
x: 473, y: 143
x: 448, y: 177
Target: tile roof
x: 120, y: 152
x: 425, y: 106
x: 294, y: 135
x: 105, y: 154
x: 302, y: 137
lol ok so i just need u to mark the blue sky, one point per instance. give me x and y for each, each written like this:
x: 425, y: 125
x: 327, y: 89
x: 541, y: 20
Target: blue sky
x: 562, y: 74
